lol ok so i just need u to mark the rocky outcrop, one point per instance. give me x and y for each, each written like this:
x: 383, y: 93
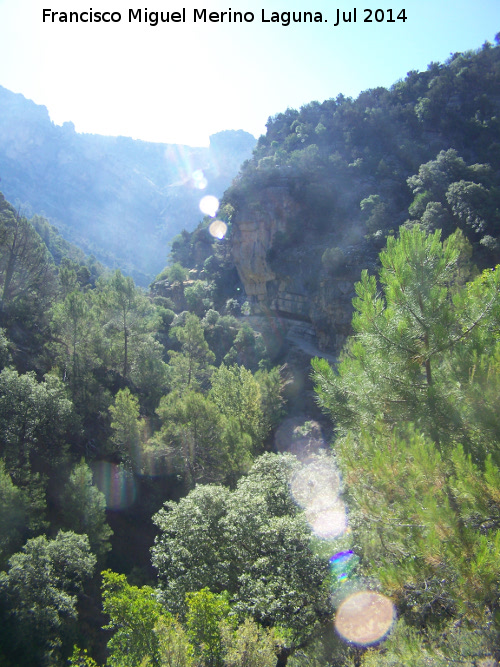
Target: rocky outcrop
x: 287, y: 280
x: 253, y: 233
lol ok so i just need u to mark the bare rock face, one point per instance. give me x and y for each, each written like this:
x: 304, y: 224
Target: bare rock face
x: 288, y: 280
x: 253, y: 236
x: 331, y: 311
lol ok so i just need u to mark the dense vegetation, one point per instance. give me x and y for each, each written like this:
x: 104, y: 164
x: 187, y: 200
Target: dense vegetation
x: 414, y: 400
x: 101, y: 382
x: 145, y: 518
x: 354, y: 170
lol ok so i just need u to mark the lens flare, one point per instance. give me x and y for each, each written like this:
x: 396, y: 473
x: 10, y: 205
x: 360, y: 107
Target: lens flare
x: 342, y: 564
x: 199, y: 180
x: 329, y: 522
x: 116, y: 483
x: 339, y: 560
x: 316, y: 484
x: 218, y: 229
x: 365, y: 618
x: 209, y: 205
x: 316, y: 488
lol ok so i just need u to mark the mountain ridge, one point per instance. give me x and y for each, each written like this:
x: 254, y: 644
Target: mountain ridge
x: 118, y: 198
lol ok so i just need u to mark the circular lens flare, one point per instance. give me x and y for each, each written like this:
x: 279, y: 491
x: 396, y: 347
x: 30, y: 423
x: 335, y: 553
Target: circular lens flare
x: 218, y: 229
x: 328, y: 522
x: 365, y: 618
x: 199, y: 180
x: 209, y: 205
x: 316, y: 488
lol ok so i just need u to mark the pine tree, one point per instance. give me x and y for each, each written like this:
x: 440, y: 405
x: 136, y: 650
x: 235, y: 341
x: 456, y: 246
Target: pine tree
x: 414, y: 399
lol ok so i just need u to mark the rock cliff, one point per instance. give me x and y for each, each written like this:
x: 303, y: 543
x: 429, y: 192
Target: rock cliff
x: 288, y: 281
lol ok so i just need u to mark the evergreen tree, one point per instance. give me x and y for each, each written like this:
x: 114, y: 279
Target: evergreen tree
x: 191, y: 367
x: 27, y: 276
x: 397, y: 365
x: 413, y: 401
x: 128, y: 318
x: 83, y: 508
x: 202, y: 443
x: 126, y: 425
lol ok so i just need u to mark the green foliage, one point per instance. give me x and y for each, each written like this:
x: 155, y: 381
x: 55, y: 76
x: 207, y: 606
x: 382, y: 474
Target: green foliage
x: 431, y: 548
x: 126, y: 425
x: 176, y: 273
x: 5, y: 355
x: 235, y: 541
x: 61, y: 251
x: 205, y: 611
x: 149, y: 372
x: 248, y: 349
x: 203, y: 444
x: 448, y: 193
x: 458, y: 645
x: 271, y: 397
x: 470, y: 204
x: 80, y: 658
x: 190, y: 368
x: 198, y: 297
x: 41, y: 588
x: 83, y: 508
x: 174, y: 647
x: 133, y: 614
x: 34, y: 419
x: 190, y: 551
x: 398, y: 365
x: 237, y: 394
x: 375, y: 213
x: 77, y: 340
x: 14, y: 513
x: 128, y: 318
x: 413, y: 400
x: 220, y: 333
x: 249, y: 645
x: 27, y: 276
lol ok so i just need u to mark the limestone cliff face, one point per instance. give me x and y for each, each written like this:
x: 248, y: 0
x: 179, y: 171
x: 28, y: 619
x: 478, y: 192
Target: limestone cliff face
x: 331, y: 311
x: 254, y: 230
x: 288, y: 280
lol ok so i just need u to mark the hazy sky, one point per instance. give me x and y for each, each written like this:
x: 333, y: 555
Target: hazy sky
x: 181, y: 82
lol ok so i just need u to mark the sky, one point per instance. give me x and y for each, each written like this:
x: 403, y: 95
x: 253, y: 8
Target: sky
x: 180, y: 82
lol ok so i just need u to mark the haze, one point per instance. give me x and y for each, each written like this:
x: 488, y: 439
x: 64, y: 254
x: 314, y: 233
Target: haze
x: 179, y: 83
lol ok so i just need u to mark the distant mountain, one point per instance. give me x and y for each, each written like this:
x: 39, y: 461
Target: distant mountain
x: 120, y: 199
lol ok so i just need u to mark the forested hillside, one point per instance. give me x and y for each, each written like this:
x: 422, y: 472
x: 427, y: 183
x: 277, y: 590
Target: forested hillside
x: 328, y: 182
x: 119, y: 199
x: 164, y: 503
